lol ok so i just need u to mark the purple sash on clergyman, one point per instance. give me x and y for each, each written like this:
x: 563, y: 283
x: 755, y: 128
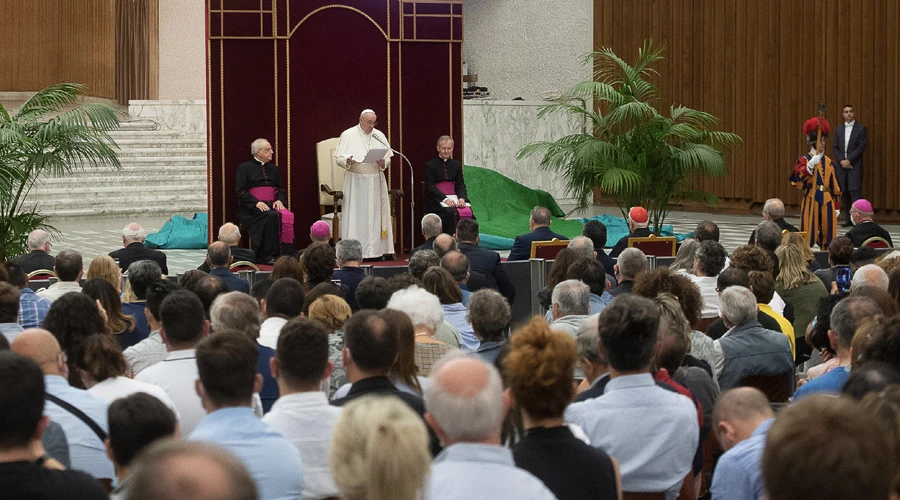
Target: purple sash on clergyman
x: 448, y: 188
x: 267, y: 194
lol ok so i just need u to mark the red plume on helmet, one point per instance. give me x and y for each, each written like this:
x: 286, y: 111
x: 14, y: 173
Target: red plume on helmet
x: 812, y: 125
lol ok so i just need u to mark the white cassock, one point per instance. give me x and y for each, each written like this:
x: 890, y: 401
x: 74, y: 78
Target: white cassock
x: 367, y: 210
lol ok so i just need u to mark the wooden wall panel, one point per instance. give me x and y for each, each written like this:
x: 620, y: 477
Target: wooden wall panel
x: 760, y: 67
x: 49, y: 41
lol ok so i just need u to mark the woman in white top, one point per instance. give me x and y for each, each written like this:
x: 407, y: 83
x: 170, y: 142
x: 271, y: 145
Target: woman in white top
x: 103, y: 367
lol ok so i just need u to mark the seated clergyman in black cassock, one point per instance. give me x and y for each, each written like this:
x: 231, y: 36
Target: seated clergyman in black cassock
x: 445, y: 189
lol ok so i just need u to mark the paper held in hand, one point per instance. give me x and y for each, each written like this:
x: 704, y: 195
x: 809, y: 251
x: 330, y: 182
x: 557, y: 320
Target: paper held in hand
x: 454, y: 198
x: 374, y: 155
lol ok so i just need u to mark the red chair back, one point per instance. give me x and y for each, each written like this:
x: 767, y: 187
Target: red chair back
x: 660, y: 246
x: 547, y: 250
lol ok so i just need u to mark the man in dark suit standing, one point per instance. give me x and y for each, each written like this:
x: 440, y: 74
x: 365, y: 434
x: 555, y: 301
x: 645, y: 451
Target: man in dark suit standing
x: 482, y: 261
x: 133, y: 239
x: 432, y: 226
x: 38, y: 256
x: 540, y: 231
x: 848, y: 148
x: 218, y: 256
x: 230, y: 234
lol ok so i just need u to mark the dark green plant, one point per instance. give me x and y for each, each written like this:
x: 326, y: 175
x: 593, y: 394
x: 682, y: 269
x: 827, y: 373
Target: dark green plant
x: 632, y: 152
x: 47, y: 136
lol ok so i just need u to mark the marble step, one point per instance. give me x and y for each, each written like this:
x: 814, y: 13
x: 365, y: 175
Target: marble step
x: 121, y: 179
x: 127, y: 210
x: 143, y: 152
x: 186, y: 142
x: 138, y: 124
x: 164, y: 204
x: 148, y: 171
x: 150, y: 135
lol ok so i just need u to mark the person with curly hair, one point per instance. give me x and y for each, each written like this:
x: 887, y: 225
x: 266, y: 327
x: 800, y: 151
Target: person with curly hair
x: 333, y: 311
x: 539, y: 370
x: 709, y: 263
x: 318, y: 263
x: 660, y: 280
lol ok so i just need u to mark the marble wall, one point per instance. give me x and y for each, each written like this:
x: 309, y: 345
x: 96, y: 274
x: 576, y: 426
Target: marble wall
x: 183, y: 116
x: 495, y: 130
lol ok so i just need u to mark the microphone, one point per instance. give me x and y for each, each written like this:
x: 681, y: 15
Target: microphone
x: 412, y: 197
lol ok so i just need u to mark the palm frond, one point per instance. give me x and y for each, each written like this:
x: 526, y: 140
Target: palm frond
x: 53, y: 98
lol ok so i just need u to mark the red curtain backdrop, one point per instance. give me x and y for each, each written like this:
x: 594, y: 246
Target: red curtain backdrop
x: 300, y: 71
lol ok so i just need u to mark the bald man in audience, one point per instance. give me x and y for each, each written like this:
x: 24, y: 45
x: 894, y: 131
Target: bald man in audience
x: 741, y: 419
x: 466, y: 407
x: 133, y: 236
x: 190, y: 470
x: 86, y: 448
x: 444, y: 244
x: 230, y: 235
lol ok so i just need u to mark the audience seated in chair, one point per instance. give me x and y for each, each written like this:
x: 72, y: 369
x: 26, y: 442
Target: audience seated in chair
x: 219, y: 258
x: 38, y: 256
x: 133, y: 236
x: 709, y: 263
x: 741, y: 420
x: 617, y: 422
x: 69, y: 268
x: 32, y: 309
x: 638, y: 220
x: 748, y: 349
x: 489, y: 315
x: 25, y: 471
x: 227, y: 370
x: 431, y: 228
x: 864, y: 227
x: 283, y: 302
x: 773, y: 211
x: 86, y: 448
x: 539, y: 225
x: 230, y: 234
x: 482, y: 261
x: 631, y: 263
x: 466, y: 408
x: 349, y: 256
x: 239, y: 312
x: 152, y: 349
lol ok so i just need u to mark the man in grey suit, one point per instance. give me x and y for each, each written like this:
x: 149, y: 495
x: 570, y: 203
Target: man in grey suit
x: 848, y: 148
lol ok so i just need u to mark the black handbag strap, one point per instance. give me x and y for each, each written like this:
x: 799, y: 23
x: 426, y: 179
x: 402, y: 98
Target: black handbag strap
x: 80, y: 414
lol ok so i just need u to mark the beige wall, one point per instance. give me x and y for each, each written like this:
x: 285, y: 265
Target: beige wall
x: 182, y: 50
x: 521, y: 48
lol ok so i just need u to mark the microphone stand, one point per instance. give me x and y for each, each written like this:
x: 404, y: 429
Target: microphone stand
x: 412, y: 197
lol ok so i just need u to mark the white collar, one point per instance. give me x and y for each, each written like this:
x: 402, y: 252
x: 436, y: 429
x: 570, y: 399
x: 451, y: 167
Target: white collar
x: 849, y: 124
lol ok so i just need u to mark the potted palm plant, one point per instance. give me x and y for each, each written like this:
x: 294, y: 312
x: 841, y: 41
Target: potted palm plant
x: 47, y: 135
x: 632, y: 152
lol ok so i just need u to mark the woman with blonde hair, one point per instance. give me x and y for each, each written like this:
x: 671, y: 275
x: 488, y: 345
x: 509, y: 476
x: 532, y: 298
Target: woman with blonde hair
x: 333, y: 311
x: 104, y: 267
x: 379, y: 451
x: 797, y: 241
x: 539, y: 371
x: 798, y: 286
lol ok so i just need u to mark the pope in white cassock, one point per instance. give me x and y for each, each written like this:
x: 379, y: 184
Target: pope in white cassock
x: 367, y: 211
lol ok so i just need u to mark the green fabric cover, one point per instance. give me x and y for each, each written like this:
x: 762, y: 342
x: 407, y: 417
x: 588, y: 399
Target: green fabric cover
x: 180, y: 232
x: 502, y: 207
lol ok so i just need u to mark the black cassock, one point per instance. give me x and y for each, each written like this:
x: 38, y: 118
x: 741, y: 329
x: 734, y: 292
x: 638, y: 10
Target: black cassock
x: 263, y: 228
x: 438, y: 170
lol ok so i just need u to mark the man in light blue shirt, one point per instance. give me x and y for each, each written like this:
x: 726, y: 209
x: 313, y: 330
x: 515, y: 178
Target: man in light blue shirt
x: 465, y: 407
x: 86, y: 449
x: 741, y: 419
x: 226, y: 365
x: 652, y: 432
